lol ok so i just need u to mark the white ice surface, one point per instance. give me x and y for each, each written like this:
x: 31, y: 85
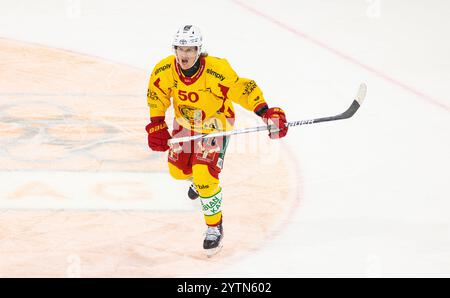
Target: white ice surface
x: 376, y: 200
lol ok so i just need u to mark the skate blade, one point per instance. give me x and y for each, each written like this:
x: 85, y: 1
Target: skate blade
x: 213, y: 251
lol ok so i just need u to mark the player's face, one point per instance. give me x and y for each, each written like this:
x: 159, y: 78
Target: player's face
x: 186, y: 56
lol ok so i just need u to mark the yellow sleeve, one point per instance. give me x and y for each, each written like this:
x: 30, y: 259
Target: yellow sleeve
x: 160, y: 88
x: 242, y: 91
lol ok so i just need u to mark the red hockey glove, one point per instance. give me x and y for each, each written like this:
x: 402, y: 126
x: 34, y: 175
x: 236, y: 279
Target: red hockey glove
x: 158, y: 134
x: 277, y: 117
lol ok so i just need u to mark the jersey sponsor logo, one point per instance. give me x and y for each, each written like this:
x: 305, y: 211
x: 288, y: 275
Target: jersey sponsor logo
x: 215, y: 74
x: 249, y: 87
x: 162, y: 68
x: 212, y: 205
x: 202, y: 186
x: 152, y: 95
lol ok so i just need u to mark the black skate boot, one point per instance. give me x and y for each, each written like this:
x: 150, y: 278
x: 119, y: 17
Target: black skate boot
x: 213, y: 240
x: 193, y: 193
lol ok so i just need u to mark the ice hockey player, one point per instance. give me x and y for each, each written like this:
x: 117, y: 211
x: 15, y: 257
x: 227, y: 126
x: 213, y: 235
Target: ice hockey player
x: 203, y: 89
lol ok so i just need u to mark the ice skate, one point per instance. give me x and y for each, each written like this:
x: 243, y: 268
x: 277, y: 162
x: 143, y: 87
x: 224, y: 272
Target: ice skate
x: 192, y: 192
x: 213, y: 240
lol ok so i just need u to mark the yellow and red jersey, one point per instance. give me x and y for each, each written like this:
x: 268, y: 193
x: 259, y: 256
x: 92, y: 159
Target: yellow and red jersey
x: 203, y: 102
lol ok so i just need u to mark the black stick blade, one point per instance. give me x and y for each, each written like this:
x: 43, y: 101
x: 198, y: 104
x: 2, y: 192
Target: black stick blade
x: 360, y: 96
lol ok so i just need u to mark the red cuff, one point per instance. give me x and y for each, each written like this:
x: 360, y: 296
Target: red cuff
x: 157, y: 119
x: 261, y: 109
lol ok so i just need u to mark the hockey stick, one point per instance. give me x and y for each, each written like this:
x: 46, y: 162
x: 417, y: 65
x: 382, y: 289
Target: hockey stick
x: 345, y: 115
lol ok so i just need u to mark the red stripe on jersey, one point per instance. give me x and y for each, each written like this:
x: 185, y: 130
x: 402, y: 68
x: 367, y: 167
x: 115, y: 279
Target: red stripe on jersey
x: 260, y: 106
x: 230, y: 117
x: 190, y: 80
x: 224, y: 91
x: 156, y: 83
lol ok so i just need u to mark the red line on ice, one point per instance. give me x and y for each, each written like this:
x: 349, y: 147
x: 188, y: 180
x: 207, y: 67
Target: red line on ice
x: 342, y: 55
